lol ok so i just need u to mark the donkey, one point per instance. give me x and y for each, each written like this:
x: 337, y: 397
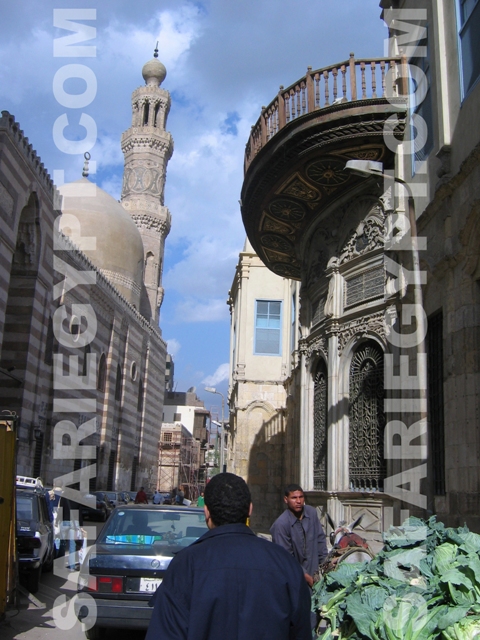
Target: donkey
x: 347, y: 546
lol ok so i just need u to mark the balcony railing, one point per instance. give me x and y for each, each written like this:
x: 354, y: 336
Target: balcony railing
x: 344, y: 82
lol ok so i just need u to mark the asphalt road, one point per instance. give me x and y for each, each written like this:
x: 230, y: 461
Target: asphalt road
x: 46, y: 615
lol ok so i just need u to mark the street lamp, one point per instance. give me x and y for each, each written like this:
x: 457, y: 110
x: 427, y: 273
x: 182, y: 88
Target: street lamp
x: 367, y: 168
x: 223, y: 466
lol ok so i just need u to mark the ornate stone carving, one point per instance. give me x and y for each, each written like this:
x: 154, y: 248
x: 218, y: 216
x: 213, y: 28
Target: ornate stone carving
x: 287, y: 210
x: 361, y: 327
x: 269, y: 224
x: 368, y: 235
x: 309, y: 348
x: 328, y: 172
x: 299, y: 188
x: 142, y: 180
x: 151, y: 223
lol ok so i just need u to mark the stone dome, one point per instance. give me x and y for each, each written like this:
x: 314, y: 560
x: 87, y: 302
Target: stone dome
x: 118, y: 249
x: 154, y: 72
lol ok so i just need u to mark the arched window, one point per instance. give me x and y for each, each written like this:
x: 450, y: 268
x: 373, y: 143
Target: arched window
x: 320, y: 414
x: 145, y: 113
x: 102, y: 373
x: 118, y: 385
x: 367, y: 419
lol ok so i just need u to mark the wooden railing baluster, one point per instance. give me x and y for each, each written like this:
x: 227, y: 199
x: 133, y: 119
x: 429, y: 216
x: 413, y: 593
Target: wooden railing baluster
x: 353, y: 77
x: 382, y: 67
x: 335, y: 74
x: 310, y: 91
x: 374, y: 80
x: 392, y: 69
x: 327, y: 94
x: 293, y: 112
x: 281, y: 108
x: 364, y: 85
x: 343, y: 69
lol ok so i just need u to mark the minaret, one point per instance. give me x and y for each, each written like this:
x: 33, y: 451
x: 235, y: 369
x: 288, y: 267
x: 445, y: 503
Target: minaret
x: 147, y: 148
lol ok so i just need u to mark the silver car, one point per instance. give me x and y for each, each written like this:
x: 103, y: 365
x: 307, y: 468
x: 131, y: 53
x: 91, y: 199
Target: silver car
x: 131, y: 554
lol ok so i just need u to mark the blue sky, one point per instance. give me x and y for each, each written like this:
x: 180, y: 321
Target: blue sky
x: 224, y: 61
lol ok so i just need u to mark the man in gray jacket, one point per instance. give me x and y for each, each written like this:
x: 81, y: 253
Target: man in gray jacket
x: 299, y: 531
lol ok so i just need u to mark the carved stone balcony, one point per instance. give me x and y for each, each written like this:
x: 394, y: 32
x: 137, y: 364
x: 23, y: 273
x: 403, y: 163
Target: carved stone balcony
x: 298, y: 148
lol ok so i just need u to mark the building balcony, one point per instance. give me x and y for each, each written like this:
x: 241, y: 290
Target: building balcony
x: 297, y: 151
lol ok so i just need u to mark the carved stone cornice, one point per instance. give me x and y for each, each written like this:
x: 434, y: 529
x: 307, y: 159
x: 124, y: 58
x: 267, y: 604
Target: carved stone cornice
x: 152, y: 223
x: 313, y: 347
x: 362, y: 327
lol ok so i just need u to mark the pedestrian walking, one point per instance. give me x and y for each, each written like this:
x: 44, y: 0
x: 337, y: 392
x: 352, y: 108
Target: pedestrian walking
x: 231, y: 583
x: 141, y: 497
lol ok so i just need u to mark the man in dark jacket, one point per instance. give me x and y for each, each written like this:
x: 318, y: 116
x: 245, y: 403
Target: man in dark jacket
x: 229, y: 584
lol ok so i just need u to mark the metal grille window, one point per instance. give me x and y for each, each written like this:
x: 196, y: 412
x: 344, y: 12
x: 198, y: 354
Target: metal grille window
x: 367, y: 419
x: 436, y: 400
x: 37, y: 456
x: 318, y: 311
x: 320, y: 396
x: 268, y: 327
x: 365, y: 286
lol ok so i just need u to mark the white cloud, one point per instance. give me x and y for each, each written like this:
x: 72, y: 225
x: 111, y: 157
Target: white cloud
x: 220, y: 375
x: 196, y: 310
x: 173, y: 346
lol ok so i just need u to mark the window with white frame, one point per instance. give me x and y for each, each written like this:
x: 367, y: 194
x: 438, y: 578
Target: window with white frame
x: 268, y: 327
x: 468, y: 30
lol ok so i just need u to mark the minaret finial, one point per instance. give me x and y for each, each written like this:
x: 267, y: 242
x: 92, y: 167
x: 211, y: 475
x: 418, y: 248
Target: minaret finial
x: 155, y: 53
x: 87, y: 157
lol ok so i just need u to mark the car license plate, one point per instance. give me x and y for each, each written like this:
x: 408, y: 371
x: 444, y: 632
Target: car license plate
x: 149, y: 585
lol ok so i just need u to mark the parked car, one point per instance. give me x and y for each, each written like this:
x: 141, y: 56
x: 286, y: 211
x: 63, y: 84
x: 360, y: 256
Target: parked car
x: 35, y: 545
x: 132, y: 552
x: 102, y: 509
x: 116, y: 498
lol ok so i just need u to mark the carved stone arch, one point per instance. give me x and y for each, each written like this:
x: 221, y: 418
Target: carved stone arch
x: 28, y: 244
x: 320, y: 424
x: 372, y: 326
x: 366, y: 417
x: 260, y: 404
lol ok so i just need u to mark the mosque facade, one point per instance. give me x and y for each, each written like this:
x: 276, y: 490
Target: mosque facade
x: 82, y: 360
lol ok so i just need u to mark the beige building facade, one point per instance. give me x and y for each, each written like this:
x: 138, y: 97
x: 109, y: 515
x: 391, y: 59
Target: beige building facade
x: 264, y: 331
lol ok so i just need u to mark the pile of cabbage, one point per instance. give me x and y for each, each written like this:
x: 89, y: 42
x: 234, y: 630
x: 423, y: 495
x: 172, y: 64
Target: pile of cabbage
x: 424, y: 584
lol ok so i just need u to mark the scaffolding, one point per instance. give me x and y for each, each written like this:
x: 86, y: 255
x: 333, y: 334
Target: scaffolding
x: 178, y: 460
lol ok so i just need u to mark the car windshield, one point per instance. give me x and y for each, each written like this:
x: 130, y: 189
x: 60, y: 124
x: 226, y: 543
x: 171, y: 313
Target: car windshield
x: 111, y: 495
x: 26, y: 507
x: 173, y: 529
